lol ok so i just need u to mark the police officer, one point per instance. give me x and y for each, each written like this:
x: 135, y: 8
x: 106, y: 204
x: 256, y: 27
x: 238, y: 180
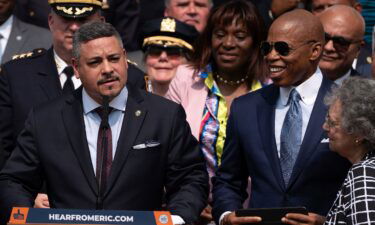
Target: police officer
x: 167, y: 44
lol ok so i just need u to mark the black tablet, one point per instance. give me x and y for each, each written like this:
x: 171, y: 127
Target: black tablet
x: 271, y: 215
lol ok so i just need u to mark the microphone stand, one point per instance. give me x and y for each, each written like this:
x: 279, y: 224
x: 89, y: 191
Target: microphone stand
x: 104, y: 126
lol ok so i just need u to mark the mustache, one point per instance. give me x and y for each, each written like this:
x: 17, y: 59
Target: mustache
x: 108, y: 78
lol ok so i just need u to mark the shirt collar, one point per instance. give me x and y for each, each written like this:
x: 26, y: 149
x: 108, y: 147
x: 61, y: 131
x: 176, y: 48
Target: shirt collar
x: 60, y: 64
x: 308, y: 90
x: 6, y: 28
x: 118, y: 103
x: 339, y: 80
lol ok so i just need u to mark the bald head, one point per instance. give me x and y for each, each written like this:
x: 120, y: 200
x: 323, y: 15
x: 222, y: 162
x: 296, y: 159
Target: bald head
x: 301, y: 26
x: 344, y: 17
x: 295, y: 39
x: 345, y: 29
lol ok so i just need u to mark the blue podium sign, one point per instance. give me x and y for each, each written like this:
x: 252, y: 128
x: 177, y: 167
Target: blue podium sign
x: 83, y: 216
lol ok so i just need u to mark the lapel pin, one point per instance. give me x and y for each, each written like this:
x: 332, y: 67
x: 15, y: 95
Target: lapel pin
x: 138, y: 113
x: 18, y: 38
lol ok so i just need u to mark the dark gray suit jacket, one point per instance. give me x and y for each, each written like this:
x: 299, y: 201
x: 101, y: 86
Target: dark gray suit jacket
x: 24, y: 38
x: 53, y: 148
x: 28, y: 82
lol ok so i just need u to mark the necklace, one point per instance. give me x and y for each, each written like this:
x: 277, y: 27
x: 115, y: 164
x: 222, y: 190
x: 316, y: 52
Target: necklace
x: 231, y: 82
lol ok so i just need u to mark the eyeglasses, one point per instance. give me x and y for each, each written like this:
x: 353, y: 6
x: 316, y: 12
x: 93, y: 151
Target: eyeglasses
x: 172, y: 52
x: 340, y: 43
x: 330, y: 123
x: 281, y: 47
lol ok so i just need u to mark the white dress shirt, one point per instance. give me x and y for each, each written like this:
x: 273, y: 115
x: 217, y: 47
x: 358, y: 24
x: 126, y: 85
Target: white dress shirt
x: 339, y: 81
x: 61, y: 64
x: 115, y: 119
x: 308, y: 91
x: 5, y: 30
x: 92, y: 121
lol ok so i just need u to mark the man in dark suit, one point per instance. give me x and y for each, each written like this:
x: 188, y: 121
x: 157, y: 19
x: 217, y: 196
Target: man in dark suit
x: 344, y: 28
x: 39, y: 76
x: 18, y: 37
x: 275, y: 135
x: 150, y: 142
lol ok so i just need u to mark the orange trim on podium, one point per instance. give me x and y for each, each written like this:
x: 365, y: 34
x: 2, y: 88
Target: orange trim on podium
x: 21, y: 215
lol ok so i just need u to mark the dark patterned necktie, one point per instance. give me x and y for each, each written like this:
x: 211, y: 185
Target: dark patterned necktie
x: 104, y: 149
x: 68, y: 85
x: 291, y: 133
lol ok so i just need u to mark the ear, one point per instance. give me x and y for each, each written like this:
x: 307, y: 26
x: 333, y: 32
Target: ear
x: 316, y: 50
x: 50, y: 21
x: 75, y: 67
x: 362, y: 43
x: 358, y: 140
x: 357, y: 6
x: 166, y: 12
x: 359, y: 46
x: 126, y: 59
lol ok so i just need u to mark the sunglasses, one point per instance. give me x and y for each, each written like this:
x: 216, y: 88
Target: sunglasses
x: 340, y: 43
x: 281, y: 47
x: 172, y: 52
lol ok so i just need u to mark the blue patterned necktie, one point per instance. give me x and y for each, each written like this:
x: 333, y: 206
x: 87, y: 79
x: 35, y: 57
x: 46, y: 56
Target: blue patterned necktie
x: 291, y: 135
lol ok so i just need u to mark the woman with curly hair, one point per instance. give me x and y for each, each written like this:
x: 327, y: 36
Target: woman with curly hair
x: 227, y: 63
x: 350, y: 125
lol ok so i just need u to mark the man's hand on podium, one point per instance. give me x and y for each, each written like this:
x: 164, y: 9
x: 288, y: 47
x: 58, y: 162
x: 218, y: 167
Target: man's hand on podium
x: 41, y: 201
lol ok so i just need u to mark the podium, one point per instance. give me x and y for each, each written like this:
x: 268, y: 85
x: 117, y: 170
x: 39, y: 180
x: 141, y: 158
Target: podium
x: 84, y: 216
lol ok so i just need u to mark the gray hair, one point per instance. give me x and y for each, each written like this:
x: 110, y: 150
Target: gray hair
x: 167, y: 2
x: 357, y: 98
x: 91, y: 31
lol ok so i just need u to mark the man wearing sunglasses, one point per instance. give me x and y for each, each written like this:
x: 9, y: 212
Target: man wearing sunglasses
x: 275, y: 135
x: 344, y: 29
x: 363, y: 60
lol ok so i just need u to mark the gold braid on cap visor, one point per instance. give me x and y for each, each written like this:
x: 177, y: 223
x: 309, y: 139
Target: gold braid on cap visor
x: 167, y: 41
x: 92, y: 2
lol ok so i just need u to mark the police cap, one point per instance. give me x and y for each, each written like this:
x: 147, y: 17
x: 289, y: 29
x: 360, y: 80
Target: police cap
x: 168, y: 32
x: 75, y: 8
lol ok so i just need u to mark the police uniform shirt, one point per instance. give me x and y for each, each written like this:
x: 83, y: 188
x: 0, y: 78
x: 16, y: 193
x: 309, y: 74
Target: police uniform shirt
x: 61, y: 64
x: 5, y: 30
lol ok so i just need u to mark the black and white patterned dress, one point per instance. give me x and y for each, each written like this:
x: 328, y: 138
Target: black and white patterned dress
x: 355, y: 202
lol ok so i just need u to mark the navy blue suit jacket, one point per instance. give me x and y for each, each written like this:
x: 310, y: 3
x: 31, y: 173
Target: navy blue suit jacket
x: 250, y: 150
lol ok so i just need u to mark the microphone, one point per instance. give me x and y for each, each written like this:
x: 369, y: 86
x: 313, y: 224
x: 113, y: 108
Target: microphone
x: 104, y: 125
